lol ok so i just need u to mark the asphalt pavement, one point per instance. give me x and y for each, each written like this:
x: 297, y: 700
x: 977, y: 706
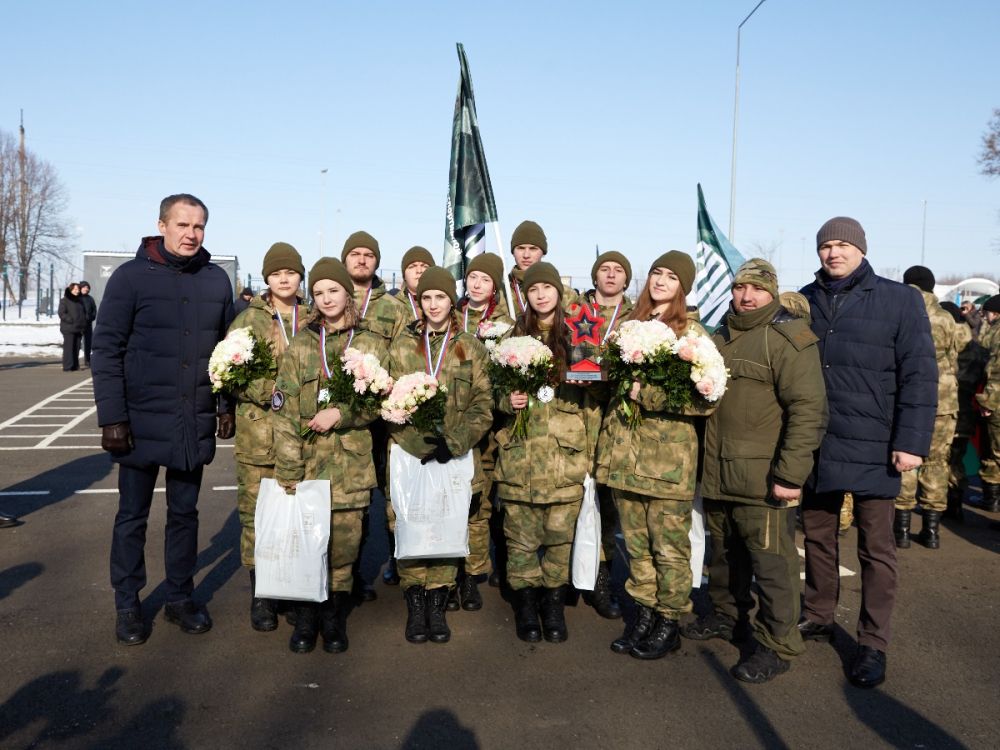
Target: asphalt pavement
x: 66, y: 683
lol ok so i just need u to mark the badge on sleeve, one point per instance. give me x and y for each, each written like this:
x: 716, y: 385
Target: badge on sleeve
x: 277, y: 400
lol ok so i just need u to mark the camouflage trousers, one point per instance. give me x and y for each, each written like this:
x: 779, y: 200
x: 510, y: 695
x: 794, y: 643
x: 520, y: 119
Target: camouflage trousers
x: 659, y: 549
x: 478, y: 561
x: 609, y: 521
x: 989, y: 464
x: 755, y: 542
x: 929, y: 483
x: 533, y: 529
x: 345, y: 544
x: 248, y: 478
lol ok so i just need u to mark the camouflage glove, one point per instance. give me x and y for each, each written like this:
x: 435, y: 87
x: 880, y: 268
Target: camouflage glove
x: 227, y: 426
x: 441, y: 453
x: 116, y: 438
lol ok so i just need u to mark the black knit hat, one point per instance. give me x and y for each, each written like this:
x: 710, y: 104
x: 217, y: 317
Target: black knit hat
x: 489, y: 263
x: 542, y: 273
x: 333, y: 269
x: 612, y: 256
x: 438, y: 279
x: 992, y: 304
x: 529, y: 233
x: 681, y: 264
x: 84, y: 283
x: 362, y: 239
x: 417, y: 254
x: 282, y: 255
x: 843, y: 228
x: 920, y: 277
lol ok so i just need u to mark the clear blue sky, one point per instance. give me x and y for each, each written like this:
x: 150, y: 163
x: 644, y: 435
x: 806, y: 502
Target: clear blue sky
x: 598, y: 120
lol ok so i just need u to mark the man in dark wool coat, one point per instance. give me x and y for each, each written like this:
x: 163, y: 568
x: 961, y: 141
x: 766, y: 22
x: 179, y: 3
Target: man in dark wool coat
x: 881, y: 384
x: 162, y: 315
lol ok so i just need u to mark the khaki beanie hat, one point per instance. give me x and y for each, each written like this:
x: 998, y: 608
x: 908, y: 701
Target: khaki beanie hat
x: 760, y: 273
x: 529, y: 233
x: 542, y: 273
x: 333, y: 269
x: 417, y: 254
x: 843, y: 228
x: 282, y: 255
x: 681, y: 264
x: 490, y: 264
x: 612, y: 256
x: 440, y: 280
x: 362, y: 239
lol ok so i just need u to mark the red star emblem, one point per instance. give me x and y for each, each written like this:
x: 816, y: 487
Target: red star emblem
x: 585, y: 326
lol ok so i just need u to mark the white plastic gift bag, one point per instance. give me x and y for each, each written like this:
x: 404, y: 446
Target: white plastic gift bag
x: 697, y: 537
x: 292, y: 533
x: 587, y: 540
x: 431, y: 502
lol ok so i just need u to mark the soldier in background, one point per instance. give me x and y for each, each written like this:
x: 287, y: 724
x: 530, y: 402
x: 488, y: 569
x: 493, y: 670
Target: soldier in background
x: 969, y: 373
x: 759, y: 448
x: 415, y: 261
x: 528, y: 245
x: 989, y: 404
x: 929, y: 482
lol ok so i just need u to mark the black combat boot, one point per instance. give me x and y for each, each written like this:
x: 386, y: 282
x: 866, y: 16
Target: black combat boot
x: 263, y: 612
x: 437, y: 623
x: 991, y: 498
x: 452, y: 604
x: 602, y: 599
x: 553, y: 614
x: 712, y: 625
x: 468, y: 590
x: 306, y: 631
x: 954, y: 511
x: 662, y: 639
x: 333, y: 622
x: 762, y: 665
x: 416, y: 615
x: 526, y: 615
x: 928, y: 535
x: 901, y: 528
x: 635, y: 631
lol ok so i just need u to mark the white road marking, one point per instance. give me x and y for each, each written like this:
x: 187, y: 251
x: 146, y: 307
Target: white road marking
x: 23, y: 493
x: 844, y: 572
x: 41, y: 403
x: 66, y: 428
x: 70, y: 447
x: 225, y: 488
x: 109, y: 491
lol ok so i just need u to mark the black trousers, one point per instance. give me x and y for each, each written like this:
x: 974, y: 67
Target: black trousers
x: 71, y: 351
x: 128, y: 541
x: 88, y: 340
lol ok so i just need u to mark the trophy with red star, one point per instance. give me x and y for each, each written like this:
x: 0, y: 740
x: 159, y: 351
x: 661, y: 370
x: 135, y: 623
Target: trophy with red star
x: 585, y: 342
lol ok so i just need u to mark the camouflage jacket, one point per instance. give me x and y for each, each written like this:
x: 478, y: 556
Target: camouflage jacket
x: 773, y: 415
x: 411, y: 309
x: 254, y: 428
x: 658, y: 459
x: 468, y: 410
x: 550, y: 464
x: 944, y: 331
x: 344, y: 454
x: 605, y: 311
x: 989, y: 338
x: 383, y: 314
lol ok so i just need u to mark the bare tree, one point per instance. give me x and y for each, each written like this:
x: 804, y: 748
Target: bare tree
x: 989, y: 156
x: 32, y: 212
x: 766, y: 250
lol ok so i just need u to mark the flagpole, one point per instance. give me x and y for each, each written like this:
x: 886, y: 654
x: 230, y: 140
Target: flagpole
x: 506, y: 279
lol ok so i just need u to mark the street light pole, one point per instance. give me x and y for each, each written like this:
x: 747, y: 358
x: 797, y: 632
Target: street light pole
x: 923, y: 236
x: 736, y: 119
x: 322, y: 212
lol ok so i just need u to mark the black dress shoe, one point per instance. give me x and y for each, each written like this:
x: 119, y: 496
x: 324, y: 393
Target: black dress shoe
x: 8, y: 521
x: 868, y: 670
x: 192, y: 618
x: 814, y: 631
x: 129, y: 627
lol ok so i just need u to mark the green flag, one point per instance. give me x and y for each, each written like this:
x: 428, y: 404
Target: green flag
x: 470, y: 195
x: 716, y: 261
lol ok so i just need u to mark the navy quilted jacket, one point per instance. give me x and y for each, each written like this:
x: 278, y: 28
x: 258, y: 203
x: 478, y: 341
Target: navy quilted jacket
x: 156, y: 328
x: 881, y: 381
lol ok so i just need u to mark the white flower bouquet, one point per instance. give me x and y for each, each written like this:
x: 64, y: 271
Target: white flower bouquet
x: 239, y: 359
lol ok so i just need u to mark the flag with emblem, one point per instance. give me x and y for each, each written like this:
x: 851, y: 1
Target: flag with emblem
x: 470, y: 195
x: 716, y: 261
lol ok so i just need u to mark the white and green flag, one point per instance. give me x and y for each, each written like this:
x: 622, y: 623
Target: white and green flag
x: 716, y: 261
x: 470, y: 195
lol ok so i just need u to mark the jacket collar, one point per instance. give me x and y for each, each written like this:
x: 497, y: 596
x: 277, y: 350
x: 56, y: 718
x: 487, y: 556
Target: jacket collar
x: 151, y: 249
x: 750, y: 320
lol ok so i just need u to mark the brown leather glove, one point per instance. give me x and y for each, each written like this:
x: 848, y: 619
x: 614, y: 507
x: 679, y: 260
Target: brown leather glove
x: 227, y: 426
x: 116, y: 438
